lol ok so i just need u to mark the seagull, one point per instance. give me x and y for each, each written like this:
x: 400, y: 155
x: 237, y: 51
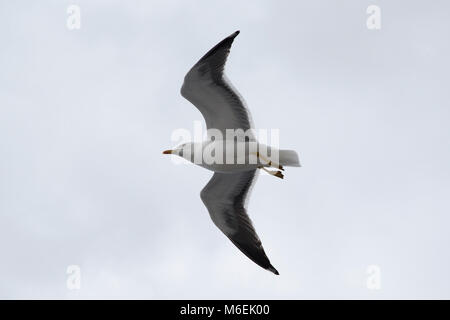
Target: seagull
x: 227, y: 193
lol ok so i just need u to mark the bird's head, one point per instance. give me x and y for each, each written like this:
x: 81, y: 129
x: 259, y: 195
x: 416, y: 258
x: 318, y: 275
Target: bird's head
x: 184, y: 150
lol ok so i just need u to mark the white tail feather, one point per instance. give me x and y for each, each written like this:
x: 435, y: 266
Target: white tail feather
x: 289, y: 158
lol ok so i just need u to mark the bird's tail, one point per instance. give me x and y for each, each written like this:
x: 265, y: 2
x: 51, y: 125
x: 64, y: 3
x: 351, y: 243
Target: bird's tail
x: 289, y: 158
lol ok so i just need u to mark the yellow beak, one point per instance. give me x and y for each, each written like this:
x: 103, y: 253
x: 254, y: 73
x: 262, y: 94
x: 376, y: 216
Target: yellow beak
x: 168, y: 152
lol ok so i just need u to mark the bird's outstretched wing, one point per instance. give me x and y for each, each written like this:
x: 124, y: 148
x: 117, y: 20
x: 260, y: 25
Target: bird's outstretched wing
x: 225, y: 196
x: 207, y: 87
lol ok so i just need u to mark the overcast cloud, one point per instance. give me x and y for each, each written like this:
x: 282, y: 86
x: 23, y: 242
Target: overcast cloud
x: 85, y: 114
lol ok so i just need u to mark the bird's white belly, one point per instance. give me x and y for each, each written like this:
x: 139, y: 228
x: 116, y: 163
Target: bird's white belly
x: 231, y: 156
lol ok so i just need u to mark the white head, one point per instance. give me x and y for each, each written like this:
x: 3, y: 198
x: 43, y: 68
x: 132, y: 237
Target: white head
x: 185, y: 150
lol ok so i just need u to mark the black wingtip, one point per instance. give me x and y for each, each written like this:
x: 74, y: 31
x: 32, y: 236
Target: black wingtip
x: 272, y: 269
x: 234, y: 35
x: 224, y: 43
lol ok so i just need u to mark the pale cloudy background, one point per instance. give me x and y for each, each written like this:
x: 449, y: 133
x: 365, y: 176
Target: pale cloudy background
x: 85, y: 114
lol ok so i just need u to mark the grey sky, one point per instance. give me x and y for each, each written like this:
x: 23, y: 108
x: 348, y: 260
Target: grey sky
x: 85, y: 114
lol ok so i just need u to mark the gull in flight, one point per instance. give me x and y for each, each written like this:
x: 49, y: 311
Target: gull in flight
x: 226, y: 194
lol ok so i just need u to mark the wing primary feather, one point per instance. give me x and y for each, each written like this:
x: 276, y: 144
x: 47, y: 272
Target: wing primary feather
x: 227, y: 42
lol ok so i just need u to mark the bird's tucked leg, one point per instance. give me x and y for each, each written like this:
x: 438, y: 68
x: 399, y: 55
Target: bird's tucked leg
x: 270, y: 163
x: 273, y: 173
